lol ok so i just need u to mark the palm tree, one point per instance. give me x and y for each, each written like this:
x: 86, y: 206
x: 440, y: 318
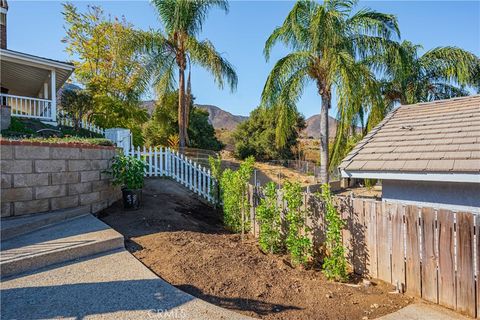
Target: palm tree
x: 329, y: 42
x: 177, y: 48
x: 440, y: 73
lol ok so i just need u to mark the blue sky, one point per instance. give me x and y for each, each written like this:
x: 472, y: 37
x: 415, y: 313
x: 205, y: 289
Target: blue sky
x: 36, y: 27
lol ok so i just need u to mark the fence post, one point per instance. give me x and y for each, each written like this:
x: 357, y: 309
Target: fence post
x: 209, y: 196
x: 190, y: 178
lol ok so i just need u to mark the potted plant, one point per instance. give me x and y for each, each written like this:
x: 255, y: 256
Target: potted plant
x: 128, y: 172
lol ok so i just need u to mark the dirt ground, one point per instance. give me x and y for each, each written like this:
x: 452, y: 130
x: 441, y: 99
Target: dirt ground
x: 183, y: 241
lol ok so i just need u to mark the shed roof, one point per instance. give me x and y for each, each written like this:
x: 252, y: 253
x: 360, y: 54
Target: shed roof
x: 440, y: 137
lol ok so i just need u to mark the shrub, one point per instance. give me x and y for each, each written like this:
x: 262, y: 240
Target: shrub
x: 233, y: 186
x: 128, y: 172
x: 270, y: 238
x: 298, y: 244
x: 335, y: 263
x: 216, y: 171
x: 256, y: 136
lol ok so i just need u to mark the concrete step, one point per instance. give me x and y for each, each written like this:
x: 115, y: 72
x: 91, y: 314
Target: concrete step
x: 64, y: 241
x: 14, y: 226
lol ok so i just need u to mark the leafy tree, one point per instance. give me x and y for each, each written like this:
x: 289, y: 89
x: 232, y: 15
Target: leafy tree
x: 256, y: 136
x: 329, y: 42
x: 297, y: 242
x: 108, y: 64
x: 163, y: 125
x: 233, y: 190
x: 268, y: 215
x: 77, y: 103
x: 335, y: 263
x: 176, y: 48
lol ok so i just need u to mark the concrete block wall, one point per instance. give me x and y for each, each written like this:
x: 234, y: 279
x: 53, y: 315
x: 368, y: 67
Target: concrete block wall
x: 40, y: 177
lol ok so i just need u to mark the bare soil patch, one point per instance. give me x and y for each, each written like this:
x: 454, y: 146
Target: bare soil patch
x: 183, y: 241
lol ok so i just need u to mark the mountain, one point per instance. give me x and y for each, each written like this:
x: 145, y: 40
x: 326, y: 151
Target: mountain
x: 221, y: 119
x: 313, y: 127
x: 149, y: 105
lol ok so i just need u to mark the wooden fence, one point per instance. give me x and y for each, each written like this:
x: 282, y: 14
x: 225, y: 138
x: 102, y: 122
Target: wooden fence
x: 428, y: 253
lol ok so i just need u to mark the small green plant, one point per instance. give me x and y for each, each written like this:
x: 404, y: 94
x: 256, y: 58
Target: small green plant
x: 127, y: 172
x: 298, y: 244
x: 268, y: 214
x: 335, y: 263
x: 370, y: 183
x: 233, y: 186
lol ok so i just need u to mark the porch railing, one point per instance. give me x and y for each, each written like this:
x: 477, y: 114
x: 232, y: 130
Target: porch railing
x: 28, y: 107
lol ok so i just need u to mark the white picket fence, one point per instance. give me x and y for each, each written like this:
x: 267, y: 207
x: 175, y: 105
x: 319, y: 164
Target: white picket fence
x: 65, y: 119
x: 165, y: 162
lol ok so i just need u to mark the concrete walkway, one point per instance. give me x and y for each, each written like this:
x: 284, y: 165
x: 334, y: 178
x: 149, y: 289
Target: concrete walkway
x: 113, y: 285
x: 424, y: 311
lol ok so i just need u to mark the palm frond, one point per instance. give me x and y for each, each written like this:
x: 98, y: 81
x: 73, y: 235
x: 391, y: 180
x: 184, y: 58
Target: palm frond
x: 204, y: 54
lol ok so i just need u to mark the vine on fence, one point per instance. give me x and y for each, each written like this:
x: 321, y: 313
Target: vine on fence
x: 268, y: 214
x: 335, y: 263
x: 233, y: 186
x: 298, y: 244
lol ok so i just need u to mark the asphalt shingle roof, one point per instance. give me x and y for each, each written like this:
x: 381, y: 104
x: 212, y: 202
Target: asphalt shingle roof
x: 441, y: 136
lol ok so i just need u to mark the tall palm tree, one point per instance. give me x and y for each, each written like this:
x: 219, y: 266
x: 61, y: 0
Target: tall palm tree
x: 440, y: 73
x: 328, y: 42
x: 176, y: 48
x: 406, y: 77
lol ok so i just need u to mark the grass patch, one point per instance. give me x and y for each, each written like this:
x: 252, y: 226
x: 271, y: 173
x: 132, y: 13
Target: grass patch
x: 31, y: 128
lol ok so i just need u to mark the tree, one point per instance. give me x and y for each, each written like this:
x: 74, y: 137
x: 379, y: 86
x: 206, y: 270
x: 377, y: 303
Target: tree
x: 440, y: 73
x: 163, y: 125
x: 329, y: 43
x: 77, y: 103
x: 256, y: 136
x: 176, y: 48
x: 108, y: 64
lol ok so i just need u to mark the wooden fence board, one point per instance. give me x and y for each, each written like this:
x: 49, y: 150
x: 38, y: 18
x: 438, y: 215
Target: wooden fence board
x: 347, y: 232
x: 384, y: 241
x: 465, y: 269
x: 412, y: 256
x: 429, y: 255
x: 398, y: 249
x: 359, y: 241
x: 446, y: 259
x: 371, y: 237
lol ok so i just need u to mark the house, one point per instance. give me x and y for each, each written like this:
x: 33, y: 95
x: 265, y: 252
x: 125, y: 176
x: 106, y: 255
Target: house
x: 426, y: 154
x: 29, y: 83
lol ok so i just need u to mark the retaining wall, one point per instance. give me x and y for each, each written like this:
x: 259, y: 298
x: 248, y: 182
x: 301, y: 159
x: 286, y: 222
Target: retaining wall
x: 40, y: 177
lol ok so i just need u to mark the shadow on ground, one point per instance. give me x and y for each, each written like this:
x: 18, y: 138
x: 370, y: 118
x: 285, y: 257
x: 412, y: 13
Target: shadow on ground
x: 84, y: 299
x: 261, y: 308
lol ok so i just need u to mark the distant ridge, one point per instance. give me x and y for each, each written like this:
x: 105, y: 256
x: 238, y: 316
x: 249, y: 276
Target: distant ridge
x: 221, y: 119
x: 224, y: 120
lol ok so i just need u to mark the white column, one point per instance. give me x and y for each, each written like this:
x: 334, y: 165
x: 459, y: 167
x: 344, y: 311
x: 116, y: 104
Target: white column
x: 45, y: 90
x: 54, y: 95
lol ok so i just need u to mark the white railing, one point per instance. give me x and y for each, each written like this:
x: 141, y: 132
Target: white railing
x: 165, y: 162
x: 28, y: 107
x: 65, y: 119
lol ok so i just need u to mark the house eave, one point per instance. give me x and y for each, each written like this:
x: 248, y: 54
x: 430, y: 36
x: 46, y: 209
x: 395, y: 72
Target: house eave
x: 14, y: 56
x: 414, y: 176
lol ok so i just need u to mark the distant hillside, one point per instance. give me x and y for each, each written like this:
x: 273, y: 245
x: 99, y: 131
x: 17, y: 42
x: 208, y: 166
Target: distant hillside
x: 313, y: 127
x: 149, y: 105
x: 225, y: 121
x: 221, y: 119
